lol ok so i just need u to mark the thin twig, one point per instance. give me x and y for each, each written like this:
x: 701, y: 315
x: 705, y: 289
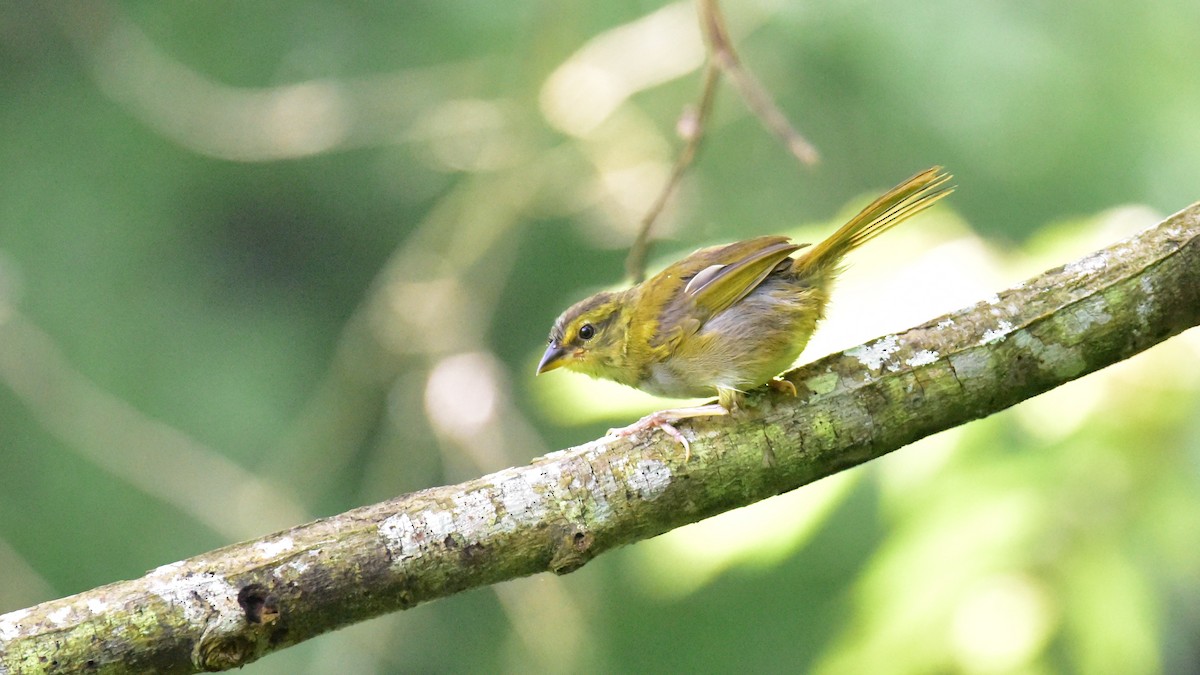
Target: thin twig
x: 757, y: 98
x: 693, y: 124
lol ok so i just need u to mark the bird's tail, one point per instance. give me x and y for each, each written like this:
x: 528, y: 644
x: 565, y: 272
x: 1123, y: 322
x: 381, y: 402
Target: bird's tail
x: 906, y: 199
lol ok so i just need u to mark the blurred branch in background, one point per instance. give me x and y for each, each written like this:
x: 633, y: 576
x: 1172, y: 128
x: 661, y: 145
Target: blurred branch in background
x: 230, y: 607
x: 421, y: 309
x: 156, y: 458
x: 251, y: 124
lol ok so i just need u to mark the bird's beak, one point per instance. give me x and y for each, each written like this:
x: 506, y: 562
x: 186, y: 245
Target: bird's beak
x: 554, y: 357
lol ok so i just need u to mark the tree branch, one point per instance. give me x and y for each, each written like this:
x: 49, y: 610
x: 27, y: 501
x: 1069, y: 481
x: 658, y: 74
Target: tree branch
x: 233, y: 605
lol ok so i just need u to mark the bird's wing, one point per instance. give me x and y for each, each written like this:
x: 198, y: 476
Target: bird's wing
x: 733, y: 271
x: 711, y: 280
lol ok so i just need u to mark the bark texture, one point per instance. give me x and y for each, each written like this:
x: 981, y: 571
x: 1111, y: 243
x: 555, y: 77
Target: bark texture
x: 231, y: 606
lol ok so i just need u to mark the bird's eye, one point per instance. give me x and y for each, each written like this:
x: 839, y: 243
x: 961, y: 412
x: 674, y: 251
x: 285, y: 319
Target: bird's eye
x: 587, y: 332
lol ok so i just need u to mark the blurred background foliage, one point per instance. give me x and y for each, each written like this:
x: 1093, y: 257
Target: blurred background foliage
x: 262, y: 262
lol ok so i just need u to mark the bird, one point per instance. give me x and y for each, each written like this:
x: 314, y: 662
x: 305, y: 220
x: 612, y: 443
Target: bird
x: 725, y: 319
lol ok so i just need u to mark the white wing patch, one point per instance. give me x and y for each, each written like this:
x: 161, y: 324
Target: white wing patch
x: 702, y: 278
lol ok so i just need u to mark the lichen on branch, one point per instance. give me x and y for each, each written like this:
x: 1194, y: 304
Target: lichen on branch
x: 231, y: 606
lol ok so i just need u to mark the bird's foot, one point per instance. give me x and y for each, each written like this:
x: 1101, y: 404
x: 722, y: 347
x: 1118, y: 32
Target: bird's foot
x: 652, y: 421
x: 663, y: 420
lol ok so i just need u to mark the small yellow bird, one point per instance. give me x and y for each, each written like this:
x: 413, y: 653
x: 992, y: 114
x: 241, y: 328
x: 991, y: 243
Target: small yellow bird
x: 725, y: 319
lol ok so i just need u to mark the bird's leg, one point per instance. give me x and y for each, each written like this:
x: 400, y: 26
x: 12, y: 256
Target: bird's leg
x: 663, y: 419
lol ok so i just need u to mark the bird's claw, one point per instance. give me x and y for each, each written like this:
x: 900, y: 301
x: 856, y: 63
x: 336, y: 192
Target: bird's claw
x: 652, y: 421
x: 663, y: 419
x: 783, y: 387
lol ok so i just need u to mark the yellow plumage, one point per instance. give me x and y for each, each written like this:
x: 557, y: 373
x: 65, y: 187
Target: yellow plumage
x: 725, y: 319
